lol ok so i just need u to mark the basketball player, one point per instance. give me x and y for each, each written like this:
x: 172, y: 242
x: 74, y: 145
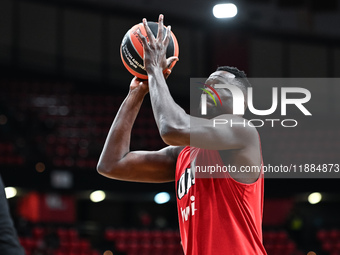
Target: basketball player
x: 217, y: 216
x: 9, y: 242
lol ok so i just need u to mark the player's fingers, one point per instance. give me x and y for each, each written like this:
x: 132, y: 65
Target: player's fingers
x: 143, y: 82
x: 170, y: 60
x: 148, y: 31
x: 167, y: 37
x: 167, y: 72
x: 143, y: 38
x: 160, y: 28
x: 138, y: 80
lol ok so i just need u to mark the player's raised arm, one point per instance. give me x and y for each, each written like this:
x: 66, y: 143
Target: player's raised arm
x: 175, y: 125
x: 117, y: 162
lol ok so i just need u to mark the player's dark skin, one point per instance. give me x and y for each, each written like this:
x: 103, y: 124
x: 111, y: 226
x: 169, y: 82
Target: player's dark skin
x: 237, y: 145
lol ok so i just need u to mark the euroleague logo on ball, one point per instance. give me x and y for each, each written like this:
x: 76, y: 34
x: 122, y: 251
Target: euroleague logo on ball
x: 131, y: 49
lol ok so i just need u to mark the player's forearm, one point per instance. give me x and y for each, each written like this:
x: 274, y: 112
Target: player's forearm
x: 117, y: 143
x: 171, y: 119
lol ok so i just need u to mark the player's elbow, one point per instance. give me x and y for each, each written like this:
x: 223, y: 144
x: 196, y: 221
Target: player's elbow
x: 114, y: 171
x: 101, y: 168
x: 176, y: 131
x: 105, y: 170
x: 174, y: 136
x: 168, y: 138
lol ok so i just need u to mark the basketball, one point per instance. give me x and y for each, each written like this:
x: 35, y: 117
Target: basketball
x: 131, y: 49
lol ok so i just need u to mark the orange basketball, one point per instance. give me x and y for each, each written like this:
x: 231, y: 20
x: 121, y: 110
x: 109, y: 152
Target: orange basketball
x: 131, y: 49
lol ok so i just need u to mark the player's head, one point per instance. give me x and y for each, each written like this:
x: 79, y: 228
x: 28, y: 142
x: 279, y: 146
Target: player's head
x: 225, y: 75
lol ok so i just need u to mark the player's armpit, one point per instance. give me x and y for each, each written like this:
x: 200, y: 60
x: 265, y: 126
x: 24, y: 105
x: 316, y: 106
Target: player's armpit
x: 224, y: 132
x: 144, y: 166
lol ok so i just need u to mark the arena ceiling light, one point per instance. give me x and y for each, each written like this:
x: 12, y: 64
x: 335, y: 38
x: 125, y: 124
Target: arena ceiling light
x: 162, y: 198
x: 97, y: 196
x: 314, y: 198
x: 223, y: 11
x: 10, y: 192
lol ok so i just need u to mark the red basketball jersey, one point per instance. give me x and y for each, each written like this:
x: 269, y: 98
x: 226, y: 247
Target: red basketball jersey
x: 217, y: 216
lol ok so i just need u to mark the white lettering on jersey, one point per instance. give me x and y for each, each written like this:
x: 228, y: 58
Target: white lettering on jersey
x: 185, y: 182
x: 188, y: 210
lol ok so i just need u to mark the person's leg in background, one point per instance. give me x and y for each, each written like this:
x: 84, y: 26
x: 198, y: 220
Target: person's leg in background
x: 9, y: 242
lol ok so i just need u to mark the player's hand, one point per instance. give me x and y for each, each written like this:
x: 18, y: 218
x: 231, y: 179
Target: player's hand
x: 139, y: 85
x: 155, y: 48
